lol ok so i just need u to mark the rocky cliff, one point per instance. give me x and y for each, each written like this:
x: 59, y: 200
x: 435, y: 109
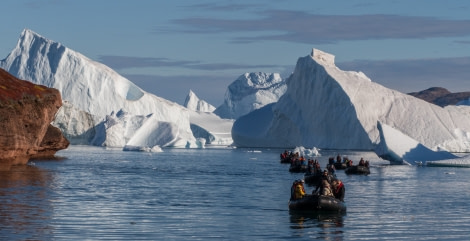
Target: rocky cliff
x: 26, y: 111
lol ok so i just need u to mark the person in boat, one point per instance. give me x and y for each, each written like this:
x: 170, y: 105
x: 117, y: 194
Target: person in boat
x: 317, y: 166
x: 331, y: 169
x: 295, y: 162
x: 349, y: 163
x: 298, y: 189
x: 325, y: 189
x: 338, y: 159
x: 310, y: 167
x: 303, y: 161
x: 331, y: 161
x: 324, y: 177
x: 362, y: 162
x: 338, y: 189
x: 284, y: 155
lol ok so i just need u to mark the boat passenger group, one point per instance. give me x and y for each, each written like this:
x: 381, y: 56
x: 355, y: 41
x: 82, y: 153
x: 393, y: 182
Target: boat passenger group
x: 328, y: 186
x: 326, y: 182
x: 300, y: 164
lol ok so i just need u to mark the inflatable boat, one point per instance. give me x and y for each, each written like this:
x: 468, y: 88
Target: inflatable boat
x: 317, y: 202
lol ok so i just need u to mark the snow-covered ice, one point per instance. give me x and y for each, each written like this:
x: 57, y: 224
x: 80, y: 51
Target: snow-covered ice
x: 192, y: 102
x: 220, y: 129
x: 399, y: 148
x: 249, y: 92
x: 454, y: 162
x: 314, y: 152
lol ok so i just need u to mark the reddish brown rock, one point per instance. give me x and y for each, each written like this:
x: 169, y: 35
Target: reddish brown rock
x: 441, y: 96
x: 26, y: 111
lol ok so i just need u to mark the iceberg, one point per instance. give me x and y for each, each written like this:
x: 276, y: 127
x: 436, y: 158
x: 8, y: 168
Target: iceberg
x: 314, y: 152
x: 399, y: 148
x: 454, y: 162
x: 93, y: 92
x: 78, y: 126
x: 193, y: 103
x: 214, y: 130
x: 328, y: 108
x: 249, y: 92
x: 207, y: 127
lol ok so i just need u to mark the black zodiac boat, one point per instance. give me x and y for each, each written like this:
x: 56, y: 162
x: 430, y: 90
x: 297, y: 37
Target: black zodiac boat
x: 317, y: 202
x: 359, y: 170
x: 287, y: 159
x: 340, y: 165
x: 297, y: 168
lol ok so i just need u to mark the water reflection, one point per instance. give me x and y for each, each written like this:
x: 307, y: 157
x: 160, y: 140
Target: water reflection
x: 327, y: 222
x: 25, y: 209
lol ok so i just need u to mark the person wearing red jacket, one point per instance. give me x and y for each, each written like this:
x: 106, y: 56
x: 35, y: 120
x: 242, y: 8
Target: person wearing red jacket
x: 338, y: 189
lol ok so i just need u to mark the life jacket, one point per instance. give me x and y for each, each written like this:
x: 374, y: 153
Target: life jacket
x: 299, y: 191
x: 338, y: 187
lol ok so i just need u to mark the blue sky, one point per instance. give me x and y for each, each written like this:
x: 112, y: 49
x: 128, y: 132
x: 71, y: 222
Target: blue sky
x: 169, y: 47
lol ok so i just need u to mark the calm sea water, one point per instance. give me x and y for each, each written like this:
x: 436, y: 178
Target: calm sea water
x: 222, y: 194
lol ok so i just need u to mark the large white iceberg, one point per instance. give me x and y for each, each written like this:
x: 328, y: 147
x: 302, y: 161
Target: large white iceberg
x: 328, y: 108
x: 93, y: 88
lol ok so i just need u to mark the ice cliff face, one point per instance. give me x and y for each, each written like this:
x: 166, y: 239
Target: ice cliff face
x: 249, y: 92
x: 192, y: 102
x: 326, y: 107
x: 77, y: 125
x: 202, y: 120
x: 399, y: 148
x: 90, y: 87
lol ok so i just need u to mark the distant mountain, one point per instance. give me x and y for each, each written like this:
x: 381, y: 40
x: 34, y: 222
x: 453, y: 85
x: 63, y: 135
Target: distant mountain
x: 328, y: 108
x: 441, y: 96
